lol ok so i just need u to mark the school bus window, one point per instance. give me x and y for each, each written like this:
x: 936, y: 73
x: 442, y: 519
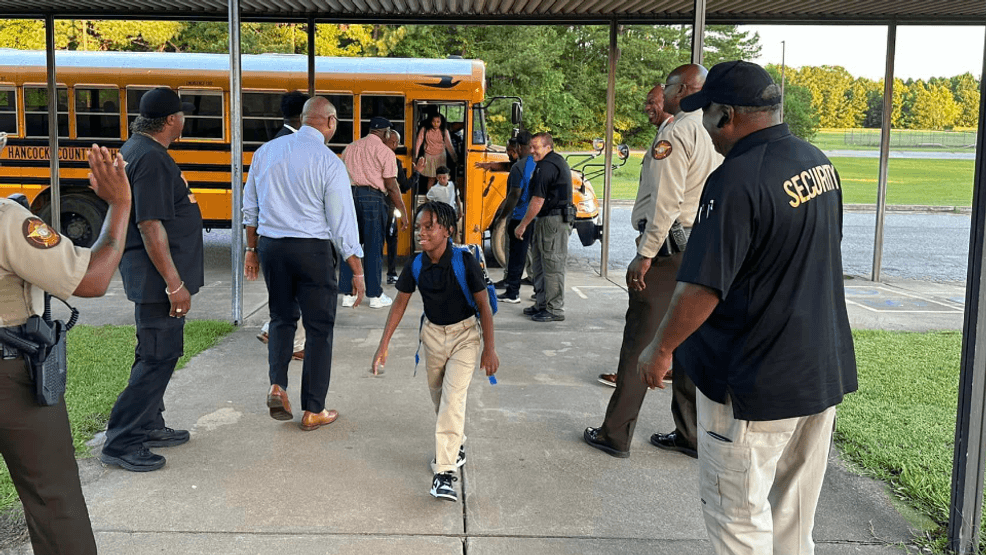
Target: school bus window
x: 133, y: 104
x: 478, y: 126
x: 262, y: 117
x: 344, y: 118
x: 8, y: 111
x: 206, y: 118
x: 97, y: 113
x: 35, y: 101
x: 390, y: 107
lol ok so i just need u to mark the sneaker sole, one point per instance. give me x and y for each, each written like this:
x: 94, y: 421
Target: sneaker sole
x: 515, y: 300
x: 106, y: 459
x: 379, y: 305
x: 166, y: 443
x: 606, y: 382
x: 277, y: 410
x: 445, y: 496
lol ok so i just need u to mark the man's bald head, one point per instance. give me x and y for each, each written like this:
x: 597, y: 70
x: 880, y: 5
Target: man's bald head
x: 320, y: 114
x: 683, y: 81
x: 393, y: 140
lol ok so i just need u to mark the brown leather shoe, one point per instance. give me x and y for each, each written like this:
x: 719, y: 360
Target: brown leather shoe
x: 313, y: 420
x: 608, y: 379
x: 277, y: 402
x: 263, y: 337
x: 300, y: 355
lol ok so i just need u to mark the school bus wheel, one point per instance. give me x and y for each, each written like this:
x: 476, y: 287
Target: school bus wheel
x: 499, y: 242
x: 82, y: 218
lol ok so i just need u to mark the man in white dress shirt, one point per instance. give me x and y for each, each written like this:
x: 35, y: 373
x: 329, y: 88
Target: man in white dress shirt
x: 298, y: 211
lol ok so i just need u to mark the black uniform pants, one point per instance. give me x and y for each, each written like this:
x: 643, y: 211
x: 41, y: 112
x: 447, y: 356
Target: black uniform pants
x: 36, y: 444
x: 301, y: 273
x: 517, y: 257
x: 644, y: 314
x: 139, y: 408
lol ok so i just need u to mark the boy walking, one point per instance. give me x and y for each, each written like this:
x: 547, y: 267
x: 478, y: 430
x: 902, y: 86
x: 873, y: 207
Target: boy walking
x: 450, y: 334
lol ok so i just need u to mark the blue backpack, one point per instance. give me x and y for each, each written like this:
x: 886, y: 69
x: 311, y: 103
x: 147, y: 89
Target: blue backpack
x: 459, y: 269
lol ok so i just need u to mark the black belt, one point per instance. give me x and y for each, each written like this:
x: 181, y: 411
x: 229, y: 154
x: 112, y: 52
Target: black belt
x: 8, y: 353
x: 555, y: 212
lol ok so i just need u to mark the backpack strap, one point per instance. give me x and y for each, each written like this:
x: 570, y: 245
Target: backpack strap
x: 459, y: 269
x: 416, y: 273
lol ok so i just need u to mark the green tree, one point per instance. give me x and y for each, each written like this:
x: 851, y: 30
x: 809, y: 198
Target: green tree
x: 935, y: 108
x: 799, y: 115
x: 874, y: 105
x: 829, y: 87
x: 77, y: 34
x: 965, y: 88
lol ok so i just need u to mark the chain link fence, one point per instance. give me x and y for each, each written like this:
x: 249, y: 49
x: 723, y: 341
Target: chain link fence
x: 912, y: 139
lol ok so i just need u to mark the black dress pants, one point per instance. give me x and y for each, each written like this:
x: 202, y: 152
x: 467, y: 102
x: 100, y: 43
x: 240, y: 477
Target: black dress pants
x: 644, y: 314
x: 301, y: 277
x: 36, y: 444
x: 139, y: 408
x: 517, y: 257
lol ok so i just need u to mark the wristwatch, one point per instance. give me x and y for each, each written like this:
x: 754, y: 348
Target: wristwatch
x: 251, y: 249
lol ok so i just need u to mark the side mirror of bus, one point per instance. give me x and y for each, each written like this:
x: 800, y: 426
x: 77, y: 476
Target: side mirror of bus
x: 623, y: 151
x: 516, y: 113
x: 598, y: 145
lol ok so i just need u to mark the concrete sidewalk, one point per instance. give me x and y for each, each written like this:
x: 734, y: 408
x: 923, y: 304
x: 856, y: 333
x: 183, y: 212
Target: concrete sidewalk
x: 248, y: 484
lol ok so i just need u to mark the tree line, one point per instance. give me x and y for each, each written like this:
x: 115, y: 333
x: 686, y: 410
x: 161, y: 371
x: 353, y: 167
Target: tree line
x: 840, y: 100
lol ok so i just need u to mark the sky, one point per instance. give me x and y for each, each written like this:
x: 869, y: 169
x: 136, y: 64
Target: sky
x: 922, y: 51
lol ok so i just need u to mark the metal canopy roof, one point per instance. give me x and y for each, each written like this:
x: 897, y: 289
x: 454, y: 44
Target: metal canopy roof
x: 725, y: 11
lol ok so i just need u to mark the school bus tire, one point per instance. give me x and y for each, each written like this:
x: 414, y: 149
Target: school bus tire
x: 499, y: 242
x: 82, y: 218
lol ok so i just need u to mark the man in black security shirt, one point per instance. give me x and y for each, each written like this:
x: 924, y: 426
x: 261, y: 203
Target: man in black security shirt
x: 760, y: 316
x: 162, y: 267
x: 551, y: 195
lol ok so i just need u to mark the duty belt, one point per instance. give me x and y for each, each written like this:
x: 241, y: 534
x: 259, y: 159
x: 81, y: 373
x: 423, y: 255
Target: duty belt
x: 7, y: 352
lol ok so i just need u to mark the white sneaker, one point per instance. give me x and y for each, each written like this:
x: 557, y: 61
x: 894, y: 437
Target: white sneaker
x: 383, y: 301
x: 348, y: 300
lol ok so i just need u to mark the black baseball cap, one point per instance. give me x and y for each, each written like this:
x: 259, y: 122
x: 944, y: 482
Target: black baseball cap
x: 735, y: 83
x: 293, y: 103
x: 161, y: 103
x: 380, y: 123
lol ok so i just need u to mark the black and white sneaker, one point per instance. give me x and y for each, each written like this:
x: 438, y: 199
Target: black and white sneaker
x: 441, y: 486
x: 506, y: 298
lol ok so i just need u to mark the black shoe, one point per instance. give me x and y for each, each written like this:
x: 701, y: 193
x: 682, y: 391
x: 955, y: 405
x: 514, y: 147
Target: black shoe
x: 166, y: 437
x: 502, y: 284
x: 526, y: 281
x: 531, y: 310
x: 546, y: 316
x: 591, y: 436
x: 140, y: 460
x: 442, y: 488
x: 507, y: 298
x: 673, y: 442
x: 391, y: 279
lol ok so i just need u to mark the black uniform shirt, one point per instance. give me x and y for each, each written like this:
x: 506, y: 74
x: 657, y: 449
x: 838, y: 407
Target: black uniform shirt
x: 767, y: 239
x: 445, y: 304
x: 159, y: 193
x: 552, y: 181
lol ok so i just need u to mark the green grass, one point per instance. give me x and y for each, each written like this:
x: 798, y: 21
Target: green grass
x: 900, y: 425
x: 909, y: 181
x: 900, y: 139
x: 99, y: 360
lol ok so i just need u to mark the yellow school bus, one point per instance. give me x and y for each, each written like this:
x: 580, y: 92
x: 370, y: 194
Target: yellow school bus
x: 99, y: 94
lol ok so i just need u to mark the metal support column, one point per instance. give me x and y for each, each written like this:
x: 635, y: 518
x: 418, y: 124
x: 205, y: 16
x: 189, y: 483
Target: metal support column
x: 56, y: 189
x: 965, y: 511
x: 614, y: 55
x: 881, y: 188
x: 236, y: 157
x: 698, y: 33
x: 311, y: 56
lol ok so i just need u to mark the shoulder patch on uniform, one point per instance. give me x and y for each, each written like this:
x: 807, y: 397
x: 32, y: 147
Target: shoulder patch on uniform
x: 39, y: 235
x: 661, y: 150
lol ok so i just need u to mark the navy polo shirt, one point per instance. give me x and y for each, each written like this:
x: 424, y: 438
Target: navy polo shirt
x: 159, y: 193
x: 768, y: 238
x: 441, y: 293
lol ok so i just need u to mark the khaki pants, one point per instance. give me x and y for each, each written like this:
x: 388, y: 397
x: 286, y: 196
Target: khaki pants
x: 760, y: 484
x: 451, y: 356
x: 299, y: 336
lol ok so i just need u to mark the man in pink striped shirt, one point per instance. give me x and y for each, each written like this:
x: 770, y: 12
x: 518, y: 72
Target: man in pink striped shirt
x: 373, y: 173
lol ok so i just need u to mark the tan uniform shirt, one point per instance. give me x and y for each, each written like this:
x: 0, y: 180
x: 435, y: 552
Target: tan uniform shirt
x: 671, y: 179
x: 33, y: 256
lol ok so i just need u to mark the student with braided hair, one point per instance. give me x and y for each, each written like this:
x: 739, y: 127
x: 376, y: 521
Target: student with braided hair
x: 450, y: 333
